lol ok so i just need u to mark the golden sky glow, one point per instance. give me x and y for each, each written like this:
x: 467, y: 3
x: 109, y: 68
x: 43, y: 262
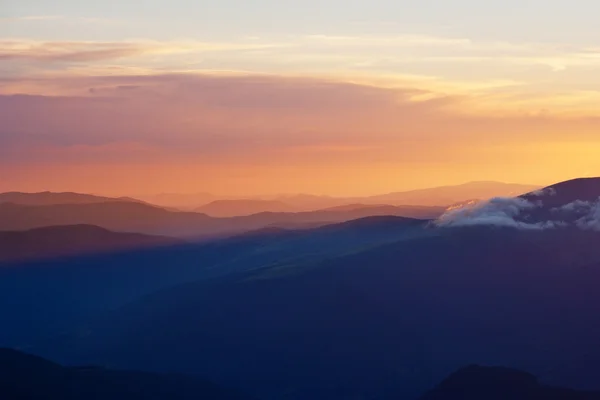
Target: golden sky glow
x: 247, y: 112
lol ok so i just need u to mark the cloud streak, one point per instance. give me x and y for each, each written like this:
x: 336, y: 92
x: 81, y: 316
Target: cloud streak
x: 524, y: 214
x: 78, y: 52
x: 499, y: 211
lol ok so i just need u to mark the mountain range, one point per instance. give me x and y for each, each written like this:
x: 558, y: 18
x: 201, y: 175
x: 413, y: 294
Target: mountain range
x: 54, y: 198
x: 382, y: 307
x: 151, y: 220
x: 438, y: 196
x: 24, y: 376
x: 236, y: 208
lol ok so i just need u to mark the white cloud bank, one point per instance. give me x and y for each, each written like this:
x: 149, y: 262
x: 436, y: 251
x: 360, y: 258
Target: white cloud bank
x: 586, y: 212
x: 513, y: 213
x: 499, y: 211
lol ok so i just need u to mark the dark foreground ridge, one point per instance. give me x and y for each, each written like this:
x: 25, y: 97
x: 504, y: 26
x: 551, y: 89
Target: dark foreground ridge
x: 23, y: 376
x: 27, y: 377
x: 496, y: 383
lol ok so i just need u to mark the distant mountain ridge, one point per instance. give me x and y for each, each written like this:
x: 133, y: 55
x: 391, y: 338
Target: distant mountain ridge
x: 142, y: 218
x: 435, y: 196
x: 69, y: 240
x: 54, y: 198
x: 236, y: 208
x: 448, y: 195
x: 182, y: 201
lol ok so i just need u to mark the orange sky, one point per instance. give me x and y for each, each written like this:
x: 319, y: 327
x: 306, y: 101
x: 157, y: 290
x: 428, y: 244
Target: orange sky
x: 271, y: 134
x: 306, y: 110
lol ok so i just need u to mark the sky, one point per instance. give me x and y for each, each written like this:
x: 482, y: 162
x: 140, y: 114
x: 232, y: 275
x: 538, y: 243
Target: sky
x: 272, y: 96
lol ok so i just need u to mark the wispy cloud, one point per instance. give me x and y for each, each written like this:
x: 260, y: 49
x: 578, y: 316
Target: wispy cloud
x: 399, y: 40
x: 81, y: 51
x: 33, y: 18
x: 59, y: 19
x: 492, y: 77
x: 65, y: 51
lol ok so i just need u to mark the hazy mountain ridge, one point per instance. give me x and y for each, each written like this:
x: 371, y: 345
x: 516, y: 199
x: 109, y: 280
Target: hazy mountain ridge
x: 435, y: 196
x: 236, y: 208
x: 75, y: 288
x: 380, y: 307
x: 23, y: 211
x: 447, y: 195
x: 55, y: 198
x: 134, y: 217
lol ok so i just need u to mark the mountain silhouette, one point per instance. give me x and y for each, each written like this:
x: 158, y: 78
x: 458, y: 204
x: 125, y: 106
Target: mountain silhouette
x: 68, y: 240
x: 380, y: 307
x: 27, y: 377
x: 117, y: 216
x: 142, y: 218
x: 496, y: 383
x: 182, y: 201
x: 233, y: 208
x: 442, y: 196
x: 70, y: 290
x: 560, y: 194
x: 448, y: 195
x: 54, y: 198
x: 574, y: 202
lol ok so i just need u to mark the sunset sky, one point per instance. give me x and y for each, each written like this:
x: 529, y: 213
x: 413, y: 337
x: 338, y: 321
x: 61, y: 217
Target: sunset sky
x: 339, y: 97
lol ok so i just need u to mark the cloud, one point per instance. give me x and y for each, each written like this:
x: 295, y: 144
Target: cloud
x: 592, y: 219
x: 517, y: 213
x: 200, y: 117
x: 585, y: 213
x: 507, y: 77
x: 499, y: 211
x: 34, y: 18
x: 89, y: 51
x: 240, y: 116
x: 577, y: 206
x: 398, y: 40
x: 67, y: 51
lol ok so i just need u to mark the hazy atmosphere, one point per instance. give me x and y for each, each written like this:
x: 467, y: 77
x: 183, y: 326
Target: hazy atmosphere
x: 264, y: 97
x: 285, y: 200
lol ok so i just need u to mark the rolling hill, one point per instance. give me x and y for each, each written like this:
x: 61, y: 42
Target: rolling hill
x: 67, y: 291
